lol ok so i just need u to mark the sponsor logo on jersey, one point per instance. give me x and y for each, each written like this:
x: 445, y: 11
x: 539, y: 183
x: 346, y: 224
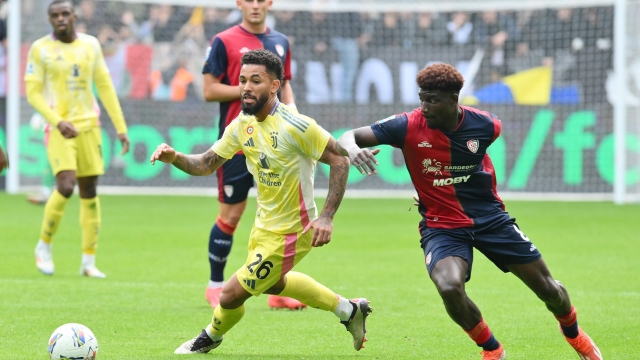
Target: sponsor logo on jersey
x: 244, y: 50
x: 451, y: 180
x: 228, y: 190
x: 75, y: 70
x: 473, y: 145
x: 424, y: 144
x: 264, y: 162
x: 30, y: 69
x: 280, y: 50
x: 459, y: 168
x: 432, y: 166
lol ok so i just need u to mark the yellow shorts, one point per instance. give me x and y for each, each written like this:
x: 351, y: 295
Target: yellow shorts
x: 271, y: 257
x: 82, y: 154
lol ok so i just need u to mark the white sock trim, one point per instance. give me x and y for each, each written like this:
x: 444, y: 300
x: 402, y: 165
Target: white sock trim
x: 44, y: 245
x: 344, y: 309
x: 215, y: 284
x: 211, y: 335
x: 88, y: 260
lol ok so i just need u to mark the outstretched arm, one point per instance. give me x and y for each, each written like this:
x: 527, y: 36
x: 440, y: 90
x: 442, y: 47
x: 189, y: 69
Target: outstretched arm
x: 351, y: 144
x: 338, y: 174
x: 197, y: 164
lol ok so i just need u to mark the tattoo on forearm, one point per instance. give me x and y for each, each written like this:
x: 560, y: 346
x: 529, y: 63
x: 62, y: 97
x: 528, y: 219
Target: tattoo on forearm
x: 199, y: 164
x: 339, y: 173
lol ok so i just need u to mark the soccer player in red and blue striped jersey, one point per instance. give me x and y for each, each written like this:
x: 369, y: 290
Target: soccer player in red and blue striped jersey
x: 445, y: 150
x: 221, y: 72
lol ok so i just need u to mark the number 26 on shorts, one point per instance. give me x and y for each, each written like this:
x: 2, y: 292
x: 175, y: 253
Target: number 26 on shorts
x: 263, y: 270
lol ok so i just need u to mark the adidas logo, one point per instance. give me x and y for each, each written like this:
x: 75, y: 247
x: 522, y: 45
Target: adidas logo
x: 533, y: 247
x: 250, y: 283
x: 249, y: 143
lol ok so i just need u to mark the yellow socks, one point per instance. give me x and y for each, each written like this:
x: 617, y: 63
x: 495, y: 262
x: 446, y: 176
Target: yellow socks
x: 224, y: 319
x: 299, y: 286
x: 308, y: 291
x: 53, y: 211
x: 90, y: 224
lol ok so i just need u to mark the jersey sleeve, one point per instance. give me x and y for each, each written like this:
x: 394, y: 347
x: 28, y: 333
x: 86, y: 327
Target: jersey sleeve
x: 392, y: 130
x: 497, y: 127
x: 313, y: 140
x: 228, y: 144
x: 107, y: 91
x: 216, y: 58
x: 287, y: 65
x: 34, y: 78
x: 35, y: 68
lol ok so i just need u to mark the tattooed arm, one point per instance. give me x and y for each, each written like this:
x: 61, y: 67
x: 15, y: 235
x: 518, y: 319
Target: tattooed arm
x: 339, y: 165
x: 197, y: 164
x: 338, y: 175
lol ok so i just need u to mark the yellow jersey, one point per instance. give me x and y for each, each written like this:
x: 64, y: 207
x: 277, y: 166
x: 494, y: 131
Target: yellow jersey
x: 59, y: 79
x: 282, y: 152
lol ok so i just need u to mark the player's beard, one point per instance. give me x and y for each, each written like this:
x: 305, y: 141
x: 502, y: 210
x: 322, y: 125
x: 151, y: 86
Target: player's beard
x: 256, y: 107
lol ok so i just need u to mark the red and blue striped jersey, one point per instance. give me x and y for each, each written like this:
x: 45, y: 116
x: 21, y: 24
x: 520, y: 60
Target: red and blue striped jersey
x: 451, y: 171
x: 223, y: 61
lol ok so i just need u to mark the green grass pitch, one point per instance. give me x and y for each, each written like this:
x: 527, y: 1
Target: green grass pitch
x: 154, y: 251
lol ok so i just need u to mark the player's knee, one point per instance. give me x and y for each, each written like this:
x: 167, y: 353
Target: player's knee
x: 228, y: 300
x: 65, y: 188
x: 550, y: 291
x: 232, y: 218
x: 450, y: 291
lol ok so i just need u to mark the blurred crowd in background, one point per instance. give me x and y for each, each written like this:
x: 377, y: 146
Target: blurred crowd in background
x: 176, y: 38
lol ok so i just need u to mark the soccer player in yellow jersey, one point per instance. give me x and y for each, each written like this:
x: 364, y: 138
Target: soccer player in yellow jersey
x: 282, y: 148
x: 61, y: 69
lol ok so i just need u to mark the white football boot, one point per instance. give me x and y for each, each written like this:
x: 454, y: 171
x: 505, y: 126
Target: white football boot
x: 88, y: 267
x: 198, y: 345
x: 356, y: 324
x: 91, y: 271
x: 44, y: 260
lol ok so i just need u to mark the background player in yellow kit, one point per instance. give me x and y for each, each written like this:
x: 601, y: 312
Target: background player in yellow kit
x: 61, y: 70
x: 282, y: 148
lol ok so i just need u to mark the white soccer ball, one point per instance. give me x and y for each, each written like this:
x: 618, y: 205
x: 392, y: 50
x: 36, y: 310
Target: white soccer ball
x: 73, y: 341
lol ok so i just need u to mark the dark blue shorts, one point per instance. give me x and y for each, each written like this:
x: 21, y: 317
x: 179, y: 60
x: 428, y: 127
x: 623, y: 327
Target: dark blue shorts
x: 503, y: 243
x: 234, y: 180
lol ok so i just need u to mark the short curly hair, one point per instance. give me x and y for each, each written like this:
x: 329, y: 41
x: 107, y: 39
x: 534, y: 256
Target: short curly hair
x: 271, y: 62
x: 440, y: 76
x: 56, y: 2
